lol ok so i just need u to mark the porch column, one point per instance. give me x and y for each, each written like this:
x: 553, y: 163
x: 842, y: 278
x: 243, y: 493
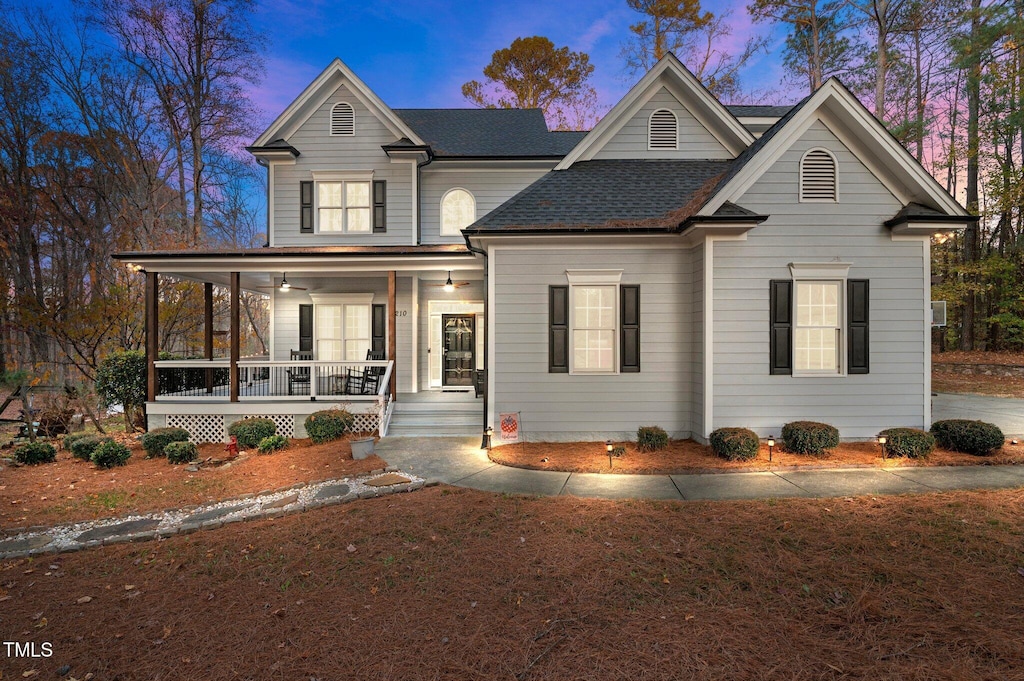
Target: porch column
x: 208, y: 332
x: 235, y: 334
x: 152, y: 333
x: 392, y: 306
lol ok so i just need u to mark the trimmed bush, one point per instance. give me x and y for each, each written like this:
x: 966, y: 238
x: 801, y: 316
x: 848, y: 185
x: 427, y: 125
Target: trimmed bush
x: 651, y: 438
x: 250, y: 431
x: 72, y: 439
x: 970, y: 437
x: 156, y: 440
x: 32, y: 453
x: 809, y: 437
x: 83, y: 447
x: 271, y: 444
x: 735, y: 444
x: 110, y: 454
x: 121, y: 379
x: 181, y: 452
x: 329, y: 424
x: 909, y: 442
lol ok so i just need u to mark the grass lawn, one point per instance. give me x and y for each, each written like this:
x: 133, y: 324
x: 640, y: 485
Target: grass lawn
x: 449, y: 583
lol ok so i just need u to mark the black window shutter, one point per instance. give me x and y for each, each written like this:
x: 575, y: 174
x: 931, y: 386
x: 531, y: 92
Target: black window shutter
x: 306, y: 207
x: 558, y: 329
x: 857, y: 326
x: 781, y: 320
x: 380, y: 206
x: 305, y: 327
x: 378, y: 331
x: 629, y: 352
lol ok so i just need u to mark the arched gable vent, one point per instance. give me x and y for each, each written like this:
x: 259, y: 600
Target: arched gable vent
x: 663, y: 130
x: 818, y: 176
x: 343, y: 119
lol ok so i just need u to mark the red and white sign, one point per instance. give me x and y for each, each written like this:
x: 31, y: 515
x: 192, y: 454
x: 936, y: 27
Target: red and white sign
x: 510, y: 427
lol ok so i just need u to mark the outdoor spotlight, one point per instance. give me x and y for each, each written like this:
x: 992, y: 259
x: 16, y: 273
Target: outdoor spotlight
x: 488, y: 434
x: 771, y: 447
x: 608, y: 445
x: 448, y: 285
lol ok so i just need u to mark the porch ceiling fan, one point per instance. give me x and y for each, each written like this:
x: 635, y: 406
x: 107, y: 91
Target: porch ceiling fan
x: 449, y: 285
x: 284, y: 285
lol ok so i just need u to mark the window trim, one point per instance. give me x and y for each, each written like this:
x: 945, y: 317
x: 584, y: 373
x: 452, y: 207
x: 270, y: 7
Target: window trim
x: 835, y: 177
x: 344, y: 178
x: 822, y: 273
x: 588, y: 279
x: 650, y: 120
x: 440, y: 214
x: 330, y: 123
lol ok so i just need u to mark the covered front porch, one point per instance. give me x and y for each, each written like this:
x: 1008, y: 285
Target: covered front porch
x: 352, y: 327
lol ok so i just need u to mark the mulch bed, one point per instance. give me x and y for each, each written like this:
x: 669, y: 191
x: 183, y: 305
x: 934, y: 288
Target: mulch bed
x: 687, y: 456
x: 70, y: 489
x: 449, y: 583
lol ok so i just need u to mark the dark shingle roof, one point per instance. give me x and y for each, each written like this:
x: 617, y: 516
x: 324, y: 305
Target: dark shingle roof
x: 758, y: 110
x: 609, y: 195
x: 488, y: 132
x: 916, y: 212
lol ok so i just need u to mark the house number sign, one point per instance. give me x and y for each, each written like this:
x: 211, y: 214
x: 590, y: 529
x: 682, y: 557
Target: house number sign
x: 401, y: 313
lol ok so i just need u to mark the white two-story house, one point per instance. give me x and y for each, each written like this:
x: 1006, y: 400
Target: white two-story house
x: 684, y: 264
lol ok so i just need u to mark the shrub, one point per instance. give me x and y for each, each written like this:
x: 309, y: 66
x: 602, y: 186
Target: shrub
x: 650, y: 438
x: 32, y: 453
x: 121, y: 379
x: 809, y: 437
x: 909, y: 442
x: 735, y: 444
x: 54, y: 414
x: 971, y: 437
x: 250, y: 431
x: 329, y: 424
x: 156, y: 440
x: 72, y: 439
x: 181, y: 452
x: 271, y: 444
x: 83, y: 447
x: 110, y: 454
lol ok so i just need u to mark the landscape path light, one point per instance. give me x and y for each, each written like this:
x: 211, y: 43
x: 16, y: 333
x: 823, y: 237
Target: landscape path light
x: 771, y: 447
x: 881, y: 441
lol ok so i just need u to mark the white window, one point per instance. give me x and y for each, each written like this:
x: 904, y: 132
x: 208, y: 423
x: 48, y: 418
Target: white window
x: 817, y: 336
x: 818, y: 181
x: 458, y: 211
x: 343, y: 207
x: 342, y: 332
x: 663, y: 130
x: 343, y: 119
x: 594, y: 321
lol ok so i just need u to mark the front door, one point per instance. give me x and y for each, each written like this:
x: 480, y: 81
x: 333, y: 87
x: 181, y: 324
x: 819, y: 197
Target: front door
x: 458, y: 361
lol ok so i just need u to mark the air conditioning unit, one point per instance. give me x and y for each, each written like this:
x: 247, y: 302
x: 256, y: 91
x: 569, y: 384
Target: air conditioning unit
x: 938, y: 313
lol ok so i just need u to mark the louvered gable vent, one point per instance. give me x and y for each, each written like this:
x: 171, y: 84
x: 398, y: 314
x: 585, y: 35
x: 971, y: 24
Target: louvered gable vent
x: 343, y: 119
x: 664, y: 130
x: 818, y: 176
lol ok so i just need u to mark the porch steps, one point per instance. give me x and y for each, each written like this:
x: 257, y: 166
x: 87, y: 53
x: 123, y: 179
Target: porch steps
x: 444, y: 415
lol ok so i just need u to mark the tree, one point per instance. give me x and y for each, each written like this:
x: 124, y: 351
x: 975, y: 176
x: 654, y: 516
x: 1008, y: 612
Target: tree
x: 533, y: 74
x: 885, y: 18
x: 670, y: 26
x: 815, y: 47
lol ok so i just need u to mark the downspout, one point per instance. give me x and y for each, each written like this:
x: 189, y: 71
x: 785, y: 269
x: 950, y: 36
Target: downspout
x: 484, y: 443
x: 419, y: 190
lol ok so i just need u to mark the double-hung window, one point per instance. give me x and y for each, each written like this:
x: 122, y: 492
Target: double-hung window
x: 594, y: 327
x: 342, y: 326
x: 344, y: 206
x: 817, y: 336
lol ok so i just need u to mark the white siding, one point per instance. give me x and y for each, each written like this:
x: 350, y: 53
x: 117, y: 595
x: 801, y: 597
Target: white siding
x: 489, y: 187
x: 322, y: 152
x: 573, y: 407
x: 697, y: 335
x: 695, y: 141
x: 851, y: 231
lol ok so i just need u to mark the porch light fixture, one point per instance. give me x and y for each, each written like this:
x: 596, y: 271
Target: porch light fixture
x: 448, y: 285
x: 609, y: 447
x: 284, y: 282
x: 488, y: 434
x: 881, y: 441
x: 771, y: 447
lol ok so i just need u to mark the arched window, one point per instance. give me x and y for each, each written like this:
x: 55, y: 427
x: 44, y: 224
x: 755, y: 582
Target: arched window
x: 458, y: 211
x: 343, y: 119
x: 818, y: 176
x: 663, y: 130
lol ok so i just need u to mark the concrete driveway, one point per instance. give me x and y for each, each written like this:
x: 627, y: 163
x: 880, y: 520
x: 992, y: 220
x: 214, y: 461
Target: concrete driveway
x: 1005, y: 412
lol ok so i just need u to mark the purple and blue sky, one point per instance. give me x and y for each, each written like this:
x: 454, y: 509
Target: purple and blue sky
x: 418, y: 53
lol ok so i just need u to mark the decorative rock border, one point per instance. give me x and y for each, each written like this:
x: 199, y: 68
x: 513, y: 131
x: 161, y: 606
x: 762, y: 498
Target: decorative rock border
x: 32, y: 541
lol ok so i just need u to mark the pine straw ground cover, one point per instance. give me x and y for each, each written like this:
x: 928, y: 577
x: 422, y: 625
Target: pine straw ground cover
x: 448, y: 583
x: 687, y: 456
x: 996, y: 386
x: 71, y: 489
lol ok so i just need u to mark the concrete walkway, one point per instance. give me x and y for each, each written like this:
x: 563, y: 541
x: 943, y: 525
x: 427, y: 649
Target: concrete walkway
x: 461, y: 462
x: 1005, y: 412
